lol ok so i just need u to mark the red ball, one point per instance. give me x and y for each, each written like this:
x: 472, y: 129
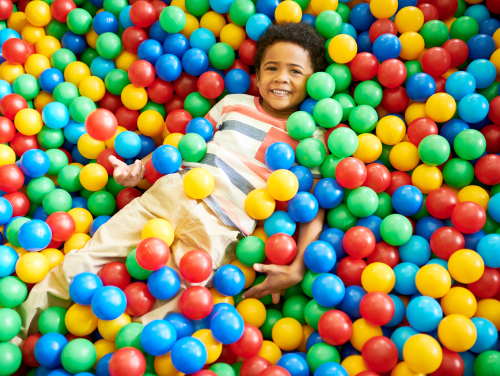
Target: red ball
x: 436, y: 61
x: 28, y: 350
x: 115, y: 274
x: 139, y: 300
x: 195, y: 266
x: 21, y: 143
x: 238, y: 64
x: 445, y: 241
x: 210, y: 84
x: 132, y: 37
x: 250, y: 343
x: 62, y: 225
x: 392, y: 73
x: 487, y: 169
x: 159, y: 6
x: 16, y: 51
x: 127, y: 361
x: 110, y: 102
x: 101, y: 124
x: 151, y: 174
x: 177, y: 121
x: 152, y: 253
x: 441, y: 202
x: 11, y: 178
x: 175, y: 103
x: 380, y: 354
x: 368, y: 373
x: 127, y: 118
x: 493, y: 6
x: 421, y: 128
x: 160, y: 91
x: 6, y: 9
x: 141, y: 73
x: 458, y: 49
x: 335, y: 327
x: 378, y: 177
x: 227, y: 355
x: 349, y: 270
x: 281, y: 249
x: 384, y: 253
x: 359, y: 242
x: 204, y: 372
x: 430, y: 12
x: 494, y: 112
x: 185, y: 84
x: 20, y: 203
x: 275, y: 371
x: 395, y: 100
x: 468, y: 217
x: 103, y: 159
x: 7, y: 130
x: 491, y: 133
x: 142, y: 14
x: 254, y: 366
x: 364, y: 66
x: 11, y: 104
x: 247, y: 51
x: 451, y: 365
x: 398, y: 179
x: 350, y: 173
x: 61, y: 8
x: 488, y: 285
x: 125, y: 196
x: 253, y: 90
x: 380, y: 27
x: 446, y: 8
x: 68, y: 155
x: 377, y: 308
x: 196, y: 302
x: 55, y: 244
x: 440, y: 84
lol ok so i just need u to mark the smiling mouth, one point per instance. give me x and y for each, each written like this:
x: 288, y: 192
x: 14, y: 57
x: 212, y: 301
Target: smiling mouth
x: 281, y: 92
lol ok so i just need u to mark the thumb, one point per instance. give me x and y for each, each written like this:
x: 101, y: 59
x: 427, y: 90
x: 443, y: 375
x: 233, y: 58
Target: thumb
x: 261, y: 268
x: 113, y: 160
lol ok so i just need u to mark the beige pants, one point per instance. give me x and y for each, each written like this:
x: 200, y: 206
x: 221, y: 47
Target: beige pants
x: 196, y: 227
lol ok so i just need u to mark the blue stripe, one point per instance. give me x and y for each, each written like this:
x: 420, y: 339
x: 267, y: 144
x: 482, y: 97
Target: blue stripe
x: 247, y: 130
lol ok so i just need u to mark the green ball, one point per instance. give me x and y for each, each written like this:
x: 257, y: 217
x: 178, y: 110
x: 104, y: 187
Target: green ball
x: 327, y: 112
x: 158, y: 107
x: 313, y: 313
x: 237, y: 368
x: 197, y: 105
x: 32, y: 210
x: 494, y: 190
x: 303, y: 4
x: 80, y: 108
x: 272, y: 317
x: 50, y: 138
x: 396, y: 229
x: 321, y: 353
x: 462, y: 5
x: 384, y: 157
x: 329, y: 165
x: 134, y: 269
x: 79, y: 21
x: 116, y: 80
x: 329, y: 59
x: 57, y: 200
x: 423, y: 212
x: 464, y: 28
x: 52, y: 321
x: 344, y: 11
x: 115, y: 6
x: 490, y: 92
x: 341, y: 75
x: 78, y: 355
x: 172, y: 19
x: 469, y: 144
x: 491, y: 225
x: 266, y: 300
x: 362, y: 202
x: 238, y: 298
x: 220, y: 55
x: 363, y: 119
x: 434, y: 150
x: 487, y: 363
x: 113, y: 187
x: 369, y: 93
x: 192, y: 147
x: 222, y: 369
x: 10, y: 322
x: 307, y: 282
x: 88, y: 56
x: 60, y: 59
x: 241, y: 10
x: 341, y: 218
x: 58, y: 160
x: 412, y: 67
x: 69, y: 178
x: 300, y: 125
x: 293, y: 291
x: 320, y: 85
x: 343, y: 142
x: 347, y: 103
x: 26, y: 86
x: 328, y: 23
x: 65, y: 92
x: 85, y: 193
x: 13, y: 292
x: 56, y: 29
x: 197, y: 7
x: 310, y: 152
x: 13, y: 230
x: 10, y: 358
x: 251, y: 250
x: 130, y: 336
x: 109, y: 45
x: 101, y: 203
x: 435, y: 33
x: 38, y: 188
x: 91, y: 8
x: 294, y: 308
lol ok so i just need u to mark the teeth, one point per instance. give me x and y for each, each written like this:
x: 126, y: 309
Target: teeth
x: 280, y: 92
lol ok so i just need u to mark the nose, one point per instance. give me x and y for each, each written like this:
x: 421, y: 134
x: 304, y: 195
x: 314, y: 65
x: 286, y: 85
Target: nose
x: 282, y: 76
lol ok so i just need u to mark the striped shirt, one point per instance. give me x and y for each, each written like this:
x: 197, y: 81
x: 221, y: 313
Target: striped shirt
x: 235, y: 156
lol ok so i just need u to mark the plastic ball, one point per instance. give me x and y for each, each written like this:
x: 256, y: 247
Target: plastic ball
x: 32, y: 267
x: 108, y: 303
x: 422, y: 353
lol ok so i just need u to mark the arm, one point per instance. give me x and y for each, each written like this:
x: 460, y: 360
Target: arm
x: 129, y: 176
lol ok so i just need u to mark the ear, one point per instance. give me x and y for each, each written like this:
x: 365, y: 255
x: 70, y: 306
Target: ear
x: 257, y: 77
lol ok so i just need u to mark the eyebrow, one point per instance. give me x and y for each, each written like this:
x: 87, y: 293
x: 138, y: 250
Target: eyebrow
x: 293, y: 65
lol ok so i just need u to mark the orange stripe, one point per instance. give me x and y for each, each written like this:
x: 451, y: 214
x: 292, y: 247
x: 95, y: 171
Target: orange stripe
x: 255, y: 114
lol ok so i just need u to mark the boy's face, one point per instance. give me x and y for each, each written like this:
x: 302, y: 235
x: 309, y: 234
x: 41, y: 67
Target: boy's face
x: 283, y: 75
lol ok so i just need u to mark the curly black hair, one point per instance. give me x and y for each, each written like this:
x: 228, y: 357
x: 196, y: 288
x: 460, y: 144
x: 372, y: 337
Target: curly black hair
x: 301, y: 34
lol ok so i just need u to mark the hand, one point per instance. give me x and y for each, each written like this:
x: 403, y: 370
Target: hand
x: 279, y: 278
x: 128, y: 176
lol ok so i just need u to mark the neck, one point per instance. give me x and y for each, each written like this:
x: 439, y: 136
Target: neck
x: 281, y: 114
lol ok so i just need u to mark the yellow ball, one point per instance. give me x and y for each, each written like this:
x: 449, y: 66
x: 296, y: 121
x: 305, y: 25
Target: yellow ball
x: 163, y: 365
x: 109, y: 329
x: 77, y: 241
x: 260, y: 232
x: 433, y: 280
x: 287, y: 334
x: 259, y: 204
x: 28, y: 121
x: 489, y: 309
x: 192, y: 24
x: 32, y: 267
x: 402, y: 369
x: 32, y: 34
x: 42, y: 99
x: 9, y: 72
x: 404, y: 156
x: 369, y: 148
x: 449, y: 22
x: 134, y: 98
x: 54, y: 256
x: 414, y: 111
x: 282, y: 185
x: 354, y: 364
x: 307, y: 330
x: 150, y: 123
x: 93, y: 177
x: 391, y: 129
x: 83, y: 219
x: 342, y: 48
x: 91, y: 38
x: 252, y: 311
x: 460, y: 301
x: 457, y: 333
x: 7, y: 155
x: 89, y: 147
x: 378, y: 277
x: 213, y: 347
x: 110, y: 142
x: 92, y: 87
x: 181, y: 4
x: 422, y: 353
x: 233, y: 35
x: 496, y: 38
x: 409, y: 19
x: 362, y: 331
x: 270, y: 351
x: 412, y: 45
x: 213, y: 21
x: 80, y: 320
x: 36, y: 64
x: 125, y: 60
x: 288, y: 11
x: 466, y: 266
x: 198, y: 183
x: 426, y: 178
x: 384, y: 8
x: 475, y: 194
x: 247, y: 271
x: 17, y: 21
x: 319, y: 6
x: 38, y: 13
x: 440, y: 107
x: 103, y: 347
x: 219, y: 298
x: 159, y: 228
x: 75, y: 72
x: 173, y: 139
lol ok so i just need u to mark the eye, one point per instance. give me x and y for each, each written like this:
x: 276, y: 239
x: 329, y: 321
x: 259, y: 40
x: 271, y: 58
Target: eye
x: 271, y: 68
x: 296, y: 71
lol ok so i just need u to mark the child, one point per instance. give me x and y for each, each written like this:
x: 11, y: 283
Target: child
x: 287, y: 55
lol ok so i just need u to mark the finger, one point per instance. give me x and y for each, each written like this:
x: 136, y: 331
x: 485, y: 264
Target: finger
x: 261, y: 268
x: 136, y: 169
x: 251, y: 293
x: 113, y: 160
x: 276, y: 297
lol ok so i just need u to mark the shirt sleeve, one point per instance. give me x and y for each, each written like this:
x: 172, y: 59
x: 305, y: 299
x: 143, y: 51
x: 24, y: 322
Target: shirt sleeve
x: 215, y: 114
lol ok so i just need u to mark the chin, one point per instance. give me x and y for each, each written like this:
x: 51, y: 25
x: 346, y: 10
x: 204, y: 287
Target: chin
x: 278, y: 104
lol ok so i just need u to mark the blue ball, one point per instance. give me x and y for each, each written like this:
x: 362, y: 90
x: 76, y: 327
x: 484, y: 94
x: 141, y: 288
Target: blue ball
x: 481, y: 124
x: 257, y: 25
x: 303, y: 207
x: 313, y: 339
x: 349, y: 30
x: 320, y: 257
x: 158, y: 337
x: 481, y: 46
x: 220, y: 6
x: 487, y: 335
x: 124, y: 17
x: 148, y: 145
x: 55, y: 115
x: 108, y: 303
x: 330, y: 369
x: 489, y: 26
x: 304, y: 176
x: 97, y: 3
x: 212, y: 69
x: 40, y: 214
x: 294, y: 364
x: 424, y: 313
x: 399, y: 311
x: 279, y: 156
x: 202, y: 127
x: 73, y: 131
x: 400, y: 336
x: 168, y: 67
x: 308, y: 105
x: 74, y: 42
x: 202, y: 39
x: 406, y: 3
x: 98, y: 222
x: 200, y: 324
x: 493, y: 207
x: 34, y: 235
x: 105, y: 22
x: 364, y: 42
x: 352, y: 300
x: 407, y: 200
x: 216, y: 309
x: 417, y: 251
x: 361, y: 17
x: 468, y: 359
x: 237, y: 81
x: 6, y: 88
x: 426, y: 226
x: 5, y: 211
x: 49, y: 79
x: 479, y: 12
x: 279, y: 222
x: 49, y: 348
x: 182, y: 325
x: 334, y: 237
x: 484, y: 72
x: 176, y: 44
x: 349, y: 350
x: 227, y: 326
x: 405, y: 274
x: 268, y: 7
x: 459, y: 84
x: 473, y: 108
x: 102, y: 367
x: 489, y: 249
x: 420, y: 87
x: 386, y: 46
x: 150, y: 50
x: 164, y: 283
x: 372, y: 223
x: 8, y: 260
x: 34, y: 163
x: 328, y: 290
x: 100, y: 67
x: 166, y: 159
x: 128, y: 144
x: 229, y: 280
x: 329, y: 193
x: 80, y: 202
x: 195, y: 62
x: 188, y: 355
x: 452, y: 128
x: 309, y: 19
x: 83, y: 287
x: 157, y: 33
x: 6, y: 34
